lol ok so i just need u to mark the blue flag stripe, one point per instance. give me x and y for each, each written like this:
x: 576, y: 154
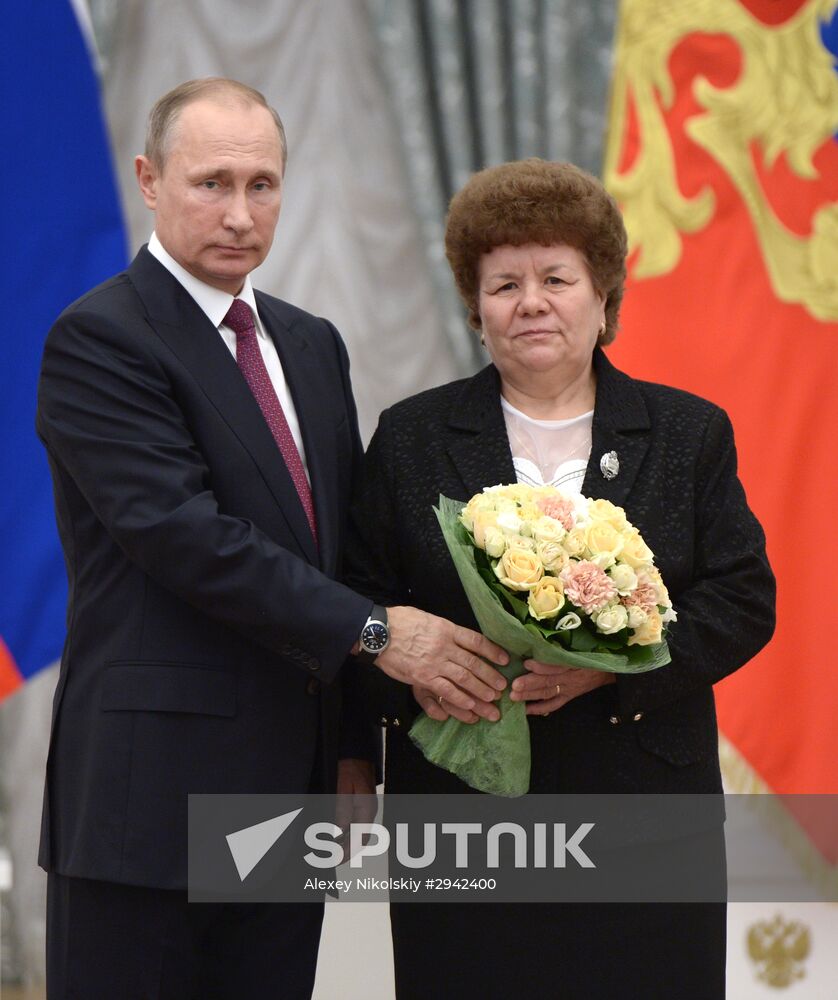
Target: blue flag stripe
x: 64, y: 233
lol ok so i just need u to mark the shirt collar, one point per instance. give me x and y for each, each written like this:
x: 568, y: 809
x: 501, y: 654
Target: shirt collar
x: 212, y: 301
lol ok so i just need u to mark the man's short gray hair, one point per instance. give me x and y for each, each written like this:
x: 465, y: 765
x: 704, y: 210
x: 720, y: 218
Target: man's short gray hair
x: 165, y: 113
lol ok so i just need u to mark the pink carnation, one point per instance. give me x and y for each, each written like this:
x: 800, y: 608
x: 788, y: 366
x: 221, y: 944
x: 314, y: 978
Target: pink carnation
x: 644, y: 596
x: 587, y: 586
x: 559, y: 509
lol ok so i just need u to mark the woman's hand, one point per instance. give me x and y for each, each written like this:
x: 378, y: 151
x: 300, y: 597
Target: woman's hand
x: 549, y: 686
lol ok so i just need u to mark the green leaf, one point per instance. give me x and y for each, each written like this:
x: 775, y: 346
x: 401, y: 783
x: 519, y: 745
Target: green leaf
x: 556, y: 636
x: 519, y: 607
x: 481, y: 560
x: 639, y: 655
x: 581, y: 639
x: 608, y: 642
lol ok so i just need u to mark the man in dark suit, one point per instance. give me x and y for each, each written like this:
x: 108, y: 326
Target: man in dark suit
x: 203, y: 441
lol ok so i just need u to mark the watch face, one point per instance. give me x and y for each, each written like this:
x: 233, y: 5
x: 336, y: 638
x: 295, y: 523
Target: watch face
x: 375, y: 636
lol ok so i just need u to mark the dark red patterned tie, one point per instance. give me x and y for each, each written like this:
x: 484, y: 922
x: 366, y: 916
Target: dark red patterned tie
x: 249, y: 358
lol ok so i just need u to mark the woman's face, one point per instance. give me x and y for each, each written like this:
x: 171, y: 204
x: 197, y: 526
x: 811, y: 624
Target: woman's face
x: 539, y: 309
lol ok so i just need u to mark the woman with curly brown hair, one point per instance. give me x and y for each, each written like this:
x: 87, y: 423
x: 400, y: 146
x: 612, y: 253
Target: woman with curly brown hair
x: 538, y: 252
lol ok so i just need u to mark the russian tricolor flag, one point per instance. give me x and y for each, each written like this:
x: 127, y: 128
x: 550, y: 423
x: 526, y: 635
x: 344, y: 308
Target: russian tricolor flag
x: 745, y: 312
x: 63, y: 232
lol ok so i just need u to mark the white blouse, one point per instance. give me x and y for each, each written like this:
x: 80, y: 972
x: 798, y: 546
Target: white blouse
x: 549, y: 452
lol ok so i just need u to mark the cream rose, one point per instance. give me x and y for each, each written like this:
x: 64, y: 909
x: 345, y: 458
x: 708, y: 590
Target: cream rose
x: 516, y: 492
x: 553, y: 555
x: 612, y: 619
x: 574, y: 542
x: 624, y: 577
x: 546, y: 599
x: 482, y: 520
x: 519, y: 569
x: 479, y: 502
x: 604, y: 543
x: 510, y: 522
x: 605, y: 511
x: 652, y: 575
x: 494, y: 542
x: 649, y: 633
x: 636, y: 616
x: 635, y: 551
x: 529, y: 511
x: 545, y: 529
x: 520, y: 542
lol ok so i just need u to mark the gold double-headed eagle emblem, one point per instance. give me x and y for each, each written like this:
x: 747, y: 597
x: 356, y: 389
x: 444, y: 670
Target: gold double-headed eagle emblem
x: 784, y: 101
x: 778, y: 947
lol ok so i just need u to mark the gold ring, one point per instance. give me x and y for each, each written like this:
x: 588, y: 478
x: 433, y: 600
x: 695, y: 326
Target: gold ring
x: 558, y: 689
x: 439, y: 699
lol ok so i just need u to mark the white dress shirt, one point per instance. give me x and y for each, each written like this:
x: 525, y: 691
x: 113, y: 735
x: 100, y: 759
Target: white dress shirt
x: 216, y: 304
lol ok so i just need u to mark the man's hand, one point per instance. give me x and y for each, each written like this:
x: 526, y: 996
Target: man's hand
x: 549, y: 686
x: 445, y: 659
x: 356, y: 777
x: 356, y: 801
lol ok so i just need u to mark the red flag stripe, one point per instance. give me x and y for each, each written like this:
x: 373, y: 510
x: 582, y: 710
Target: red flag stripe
x: 730, y: 296
x: 10, y: 678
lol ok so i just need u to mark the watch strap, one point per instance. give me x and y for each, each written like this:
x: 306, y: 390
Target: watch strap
x: 378, y: 614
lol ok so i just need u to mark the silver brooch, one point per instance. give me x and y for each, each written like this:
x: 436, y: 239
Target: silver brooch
x: 609, y: 464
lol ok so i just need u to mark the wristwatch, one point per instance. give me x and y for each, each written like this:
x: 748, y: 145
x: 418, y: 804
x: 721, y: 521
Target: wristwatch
x: 375, y: 635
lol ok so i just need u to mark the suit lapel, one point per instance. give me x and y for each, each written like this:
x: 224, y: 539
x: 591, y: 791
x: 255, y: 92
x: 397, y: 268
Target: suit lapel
x: 621, y: 425
x: 477, y: 441
x: 184, y: 327
x: 301, y: 369
x: 479, y: 448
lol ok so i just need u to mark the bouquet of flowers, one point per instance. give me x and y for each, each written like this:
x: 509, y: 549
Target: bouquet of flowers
x: 550, y: 576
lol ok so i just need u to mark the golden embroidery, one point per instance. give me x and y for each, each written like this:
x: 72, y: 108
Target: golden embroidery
x: 778, y: 948
x: 784, y: 101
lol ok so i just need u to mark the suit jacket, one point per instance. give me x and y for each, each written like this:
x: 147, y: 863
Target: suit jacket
x: 677, y: 482
x: 206, y: 631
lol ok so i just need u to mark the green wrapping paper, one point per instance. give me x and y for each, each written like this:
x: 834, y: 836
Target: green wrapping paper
x: 494, y: 757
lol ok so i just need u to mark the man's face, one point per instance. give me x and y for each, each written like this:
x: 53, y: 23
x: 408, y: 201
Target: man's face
x: 216, y: 200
